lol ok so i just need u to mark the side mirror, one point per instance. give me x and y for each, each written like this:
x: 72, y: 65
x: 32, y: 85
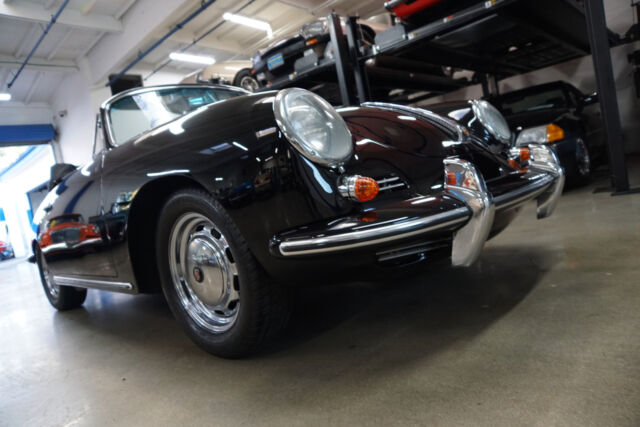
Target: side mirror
x: 590, y: 99
x: 59, y: 171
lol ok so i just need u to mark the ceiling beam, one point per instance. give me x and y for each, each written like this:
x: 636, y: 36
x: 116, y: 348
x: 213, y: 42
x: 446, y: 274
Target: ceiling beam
x: 113, y: 51
x: 7, y: 61
x: 28, y: 41
x: 29, y: 11
x: 58, y: 45
x: 210, y: 42
x: 32, y: 88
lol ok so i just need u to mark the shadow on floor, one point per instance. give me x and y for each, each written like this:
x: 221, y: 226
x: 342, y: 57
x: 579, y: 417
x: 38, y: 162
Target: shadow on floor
x: 435, y: 309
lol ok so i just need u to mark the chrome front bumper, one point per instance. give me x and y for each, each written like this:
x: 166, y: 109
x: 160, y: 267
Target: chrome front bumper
x: 470, y: 223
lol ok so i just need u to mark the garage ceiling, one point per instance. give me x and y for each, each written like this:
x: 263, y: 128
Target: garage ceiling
x: 102, y: 36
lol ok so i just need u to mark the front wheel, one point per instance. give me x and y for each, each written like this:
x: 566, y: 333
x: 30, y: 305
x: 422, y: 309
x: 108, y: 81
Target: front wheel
x: 61, y: 297
x: 214, y: 286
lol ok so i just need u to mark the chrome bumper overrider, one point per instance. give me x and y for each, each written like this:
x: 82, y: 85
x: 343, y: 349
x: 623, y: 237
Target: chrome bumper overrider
x: 469, y: 240
x: 477, y: 217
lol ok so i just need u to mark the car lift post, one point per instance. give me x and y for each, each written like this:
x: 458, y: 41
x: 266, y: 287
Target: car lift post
x: 341, y: 57
x: 359, y: 72
x: 489, y: 83
x: 600, y: 51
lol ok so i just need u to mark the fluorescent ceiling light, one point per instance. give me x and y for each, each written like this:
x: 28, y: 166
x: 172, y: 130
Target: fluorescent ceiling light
x: 5, y: 96
x: 249, y: 22
x: 196, y: 59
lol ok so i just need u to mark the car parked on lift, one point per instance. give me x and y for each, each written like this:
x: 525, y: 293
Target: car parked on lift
x: 220, y: 197
x: 560, y: 116
x: 236, y: 73
x: 312, y: 44
x: 421, y: 12
x: 6, y: 251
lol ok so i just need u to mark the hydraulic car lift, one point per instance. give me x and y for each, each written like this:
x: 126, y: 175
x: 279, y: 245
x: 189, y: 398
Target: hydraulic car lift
x: 495, y: 39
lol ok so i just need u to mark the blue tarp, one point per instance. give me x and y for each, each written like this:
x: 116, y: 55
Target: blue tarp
x: 22, y: 134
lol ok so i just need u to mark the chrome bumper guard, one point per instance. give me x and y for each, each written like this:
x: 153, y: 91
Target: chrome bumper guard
x: 469, y: 240
x: 470, y: 187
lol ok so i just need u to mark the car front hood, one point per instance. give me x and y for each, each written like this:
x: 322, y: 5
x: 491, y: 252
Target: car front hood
x: 535, y: 118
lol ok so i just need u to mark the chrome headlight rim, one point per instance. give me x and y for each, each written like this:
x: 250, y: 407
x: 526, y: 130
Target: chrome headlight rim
x: 481, y: 108
x: 294, y: 138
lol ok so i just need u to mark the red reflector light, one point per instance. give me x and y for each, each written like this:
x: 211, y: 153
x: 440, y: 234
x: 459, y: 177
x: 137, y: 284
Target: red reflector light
x: 370, y: 216
x: 525, y: 154
x: 366, y: 189
x: 514, y: 164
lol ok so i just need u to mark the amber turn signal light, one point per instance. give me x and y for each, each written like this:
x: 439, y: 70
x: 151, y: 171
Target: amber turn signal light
x: 554, y: 133
x: 366, y: 189
x: 358, y: 188
x: 525, y: 154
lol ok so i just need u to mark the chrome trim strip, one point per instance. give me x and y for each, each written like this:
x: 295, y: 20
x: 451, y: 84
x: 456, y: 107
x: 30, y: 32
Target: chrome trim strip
x: 523, y: 194
x: 392, y: 186
x: 384, y: 181
x: 373, y: 236
x: 92, y: 283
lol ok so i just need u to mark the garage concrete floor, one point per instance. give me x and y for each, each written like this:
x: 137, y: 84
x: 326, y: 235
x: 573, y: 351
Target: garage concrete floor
x: 544, y: 330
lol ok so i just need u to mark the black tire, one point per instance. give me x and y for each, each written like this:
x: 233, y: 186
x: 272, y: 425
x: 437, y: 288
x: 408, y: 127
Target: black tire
x: 583, y: 164
x: 61, y: 297
x: 246, y: 80
x: 261, y: 311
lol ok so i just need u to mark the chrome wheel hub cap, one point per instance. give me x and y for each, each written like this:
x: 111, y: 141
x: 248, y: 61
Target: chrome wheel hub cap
x: 204, y: 273
x: 52, y: 288
x: 249, y: 83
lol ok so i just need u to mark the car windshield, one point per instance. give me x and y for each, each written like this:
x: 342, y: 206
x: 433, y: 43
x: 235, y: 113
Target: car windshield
x: 553, y: 98
x: 138, y: 113
x: 66, y: 219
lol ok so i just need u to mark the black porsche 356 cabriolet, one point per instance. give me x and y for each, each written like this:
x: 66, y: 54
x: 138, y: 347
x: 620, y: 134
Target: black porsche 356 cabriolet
x: 217, y: 196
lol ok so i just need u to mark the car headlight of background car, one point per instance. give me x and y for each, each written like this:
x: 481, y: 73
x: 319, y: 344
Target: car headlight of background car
x: 540, y: 134
x: 492, y: 120
x: 314, y: 28
x: 313, y: 126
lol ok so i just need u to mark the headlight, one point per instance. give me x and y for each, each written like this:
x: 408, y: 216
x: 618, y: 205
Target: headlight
x: 314, y: 28
x: 313, y: 126
x: 540, y: 134
x: 492, y: 120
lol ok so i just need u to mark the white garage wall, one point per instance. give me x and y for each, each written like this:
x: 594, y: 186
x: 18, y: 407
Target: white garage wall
x: 74, y: 119
x: 75, y: 106
x: 16, y: 113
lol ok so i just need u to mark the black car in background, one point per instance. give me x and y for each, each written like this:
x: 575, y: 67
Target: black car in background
x: 309, y: 47
x: 559, y: 115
